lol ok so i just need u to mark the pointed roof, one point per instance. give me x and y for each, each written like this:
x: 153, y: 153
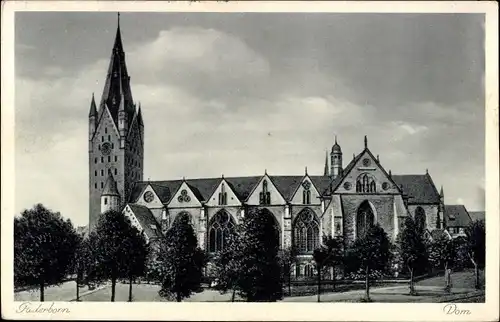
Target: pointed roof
x: 117, y: 92
x: 93, y: 108
x: 419, y: 188
x: 456, y: 216
x: 139, y: 116
x: 110, y: 188
x: 336, y: 147
x: 146, y: 220
x: 326, y: 164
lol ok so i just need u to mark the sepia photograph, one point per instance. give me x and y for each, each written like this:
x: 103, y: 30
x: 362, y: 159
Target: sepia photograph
x: 241, y: 157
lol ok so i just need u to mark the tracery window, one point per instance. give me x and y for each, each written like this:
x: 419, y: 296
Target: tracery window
x: 220, y: 229
x: 365, y: 184
x: 365, y: 219
x: 306, y: 232
x: 265, y: 195
x: 420, y: 219
x: 308, y: 271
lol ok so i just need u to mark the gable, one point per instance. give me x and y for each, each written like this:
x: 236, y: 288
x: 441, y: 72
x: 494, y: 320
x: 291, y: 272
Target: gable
x: 306, y: 184
x: 231, y: 198
x: 149, y: 198
x: 366, y: 164
x: 184, y: 197
x: 276, y: 197
x: 105, y: 121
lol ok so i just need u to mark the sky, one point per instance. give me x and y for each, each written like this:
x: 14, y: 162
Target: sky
x: 240, y: 93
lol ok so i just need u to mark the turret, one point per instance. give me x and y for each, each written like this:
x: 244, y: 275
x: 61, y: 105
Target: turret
x: 336, y: 160
x: 110, y: 197
x: 92, y: 118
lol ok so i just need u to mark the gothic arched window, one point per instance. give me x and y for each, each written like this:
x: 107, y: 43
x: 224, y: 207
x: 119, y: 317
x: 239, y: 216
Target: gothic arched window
x: 265, y: 195
x: 306, y: 232
x: 221, y: 227
x: 365, y: 219
x: 306, y: 193
x: 308, y: 271
x: 365, y: 184
x: 223, y: 195
x: 420, y: 219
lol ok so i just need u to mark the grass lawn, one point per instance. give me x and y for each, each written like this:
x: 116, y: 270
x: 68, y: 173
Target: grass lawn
x: 463, y: 279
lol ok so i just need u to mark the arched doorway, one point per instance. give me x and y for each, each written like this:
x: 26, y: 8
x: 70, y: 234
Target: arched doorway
x: 365, y: 219
x: 420, y: 220
x: 221, y: 226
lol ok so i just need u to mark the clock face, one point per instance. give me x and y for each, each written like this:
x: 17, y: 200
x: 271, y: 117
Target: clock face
x: 106, y: 148
x: 148, y: 196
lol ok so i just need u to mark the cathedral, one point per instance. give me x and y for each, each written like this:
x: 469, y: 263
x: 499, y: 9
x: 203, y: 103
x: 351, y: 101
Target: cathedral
x: 346, y: 200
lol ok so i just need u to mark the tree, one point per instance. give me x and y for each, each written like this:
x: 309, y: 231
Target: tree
x: 412, y: 249
x: 328, y: 255
x: 441, y: 255
x: 81, y: 262
x: 115, y: 243
x: 476, y: 242
x: 288, y: 257
x: 226, y: 265
x: 182, y: 261
x: 372, y: 252
x: 138, y: 254
x: 260, y: 268
x: 44, y: 244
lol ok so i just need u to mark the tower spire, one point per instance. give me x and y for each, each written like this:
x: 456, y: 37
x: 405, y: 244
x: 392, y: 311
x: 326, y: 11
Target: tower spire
x: 366, y: 142
x: 93, y: 109
x: 326, y: 163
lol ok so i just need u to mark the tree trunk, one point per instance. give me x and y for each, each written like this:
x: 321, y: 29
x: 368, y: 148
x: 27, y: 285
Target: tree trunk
x: 412, y: 286
x: 334, y: 278
x: 42, y: 289
x: 476, y: 273
x: 367, y: 284
x: 234, y: 295
x: 289, y: 284
x: 319, y: 284
x: 179, y: 298
x: 130, y: 289
x: 77, y: 288
x: 447, y: 278
x: 113, y: 285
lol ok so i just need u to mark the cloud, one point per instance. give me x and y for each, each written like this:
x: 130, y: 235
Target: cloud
x: 213, y: 104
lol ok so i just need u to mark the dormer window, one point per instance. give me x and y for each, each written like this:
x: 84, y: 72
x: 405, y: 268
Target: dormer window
x: 223, y: 196
x: 265, y: 195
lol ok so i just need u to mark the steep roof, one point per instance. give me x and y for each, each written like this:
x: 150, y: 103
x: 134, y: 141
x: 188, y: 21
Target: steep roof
x: 146, y: 220
x: 110, y: 188
x: 477, y: 215
x: 243, y: 186
x: 419, y: 188
x: 287, y: 185
x: 456, y: 216
x: 117, y: 89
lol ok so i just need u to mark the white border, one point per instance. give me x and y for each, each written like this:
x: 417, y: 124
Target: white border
x: 255, y: 311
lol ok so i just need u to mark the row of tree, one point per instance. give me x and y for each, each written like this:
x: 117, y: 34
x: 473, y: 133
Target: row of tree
x: 251, y: 265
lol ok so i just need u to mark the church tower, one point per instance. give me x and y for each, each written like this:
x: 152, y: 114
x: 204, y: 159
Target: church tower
x: 116, y: 137
x: 336, y: 160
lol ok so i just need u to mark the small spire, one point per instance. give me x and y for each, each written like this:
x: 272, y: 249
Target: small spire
x: 441, y: 192
x: 366, y: 142
x: 326, y: 163
x: 183, y: 178
x: 265, y: 171
x: 93, y: 109
x: 335, y: 138
x: 390, y: 173
x: 139, y: 115
x: 118, y: 19
x: 426, y: 171
x: 223, y: 176
x: 378, y: 159
x: 353, y: 156
x: 306, y: 171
